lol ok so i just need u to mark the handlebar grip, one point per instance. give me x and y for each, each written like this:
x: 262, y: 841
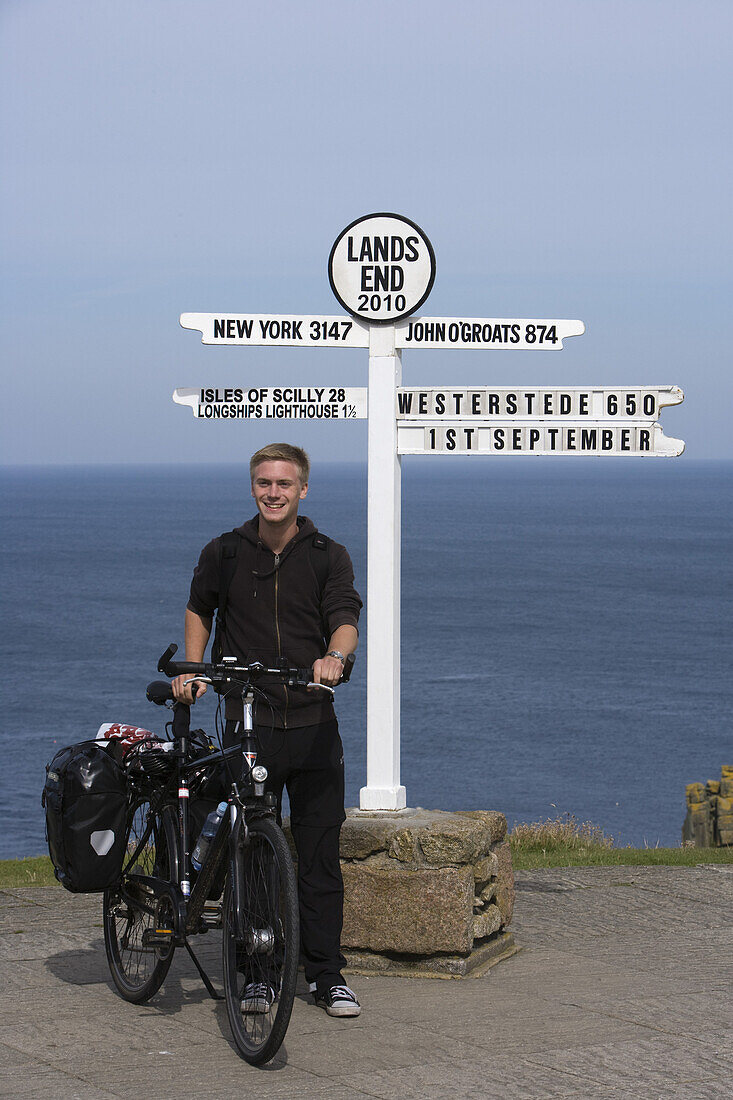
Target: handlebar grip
x: 348, y: 665
x: 190, y: 668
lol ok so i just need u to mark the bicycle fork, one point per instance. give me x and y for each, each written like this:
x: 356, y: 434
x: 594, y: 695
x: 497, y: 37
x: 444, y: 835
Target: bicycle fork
x: 254, y: 779
x: 253, y: 783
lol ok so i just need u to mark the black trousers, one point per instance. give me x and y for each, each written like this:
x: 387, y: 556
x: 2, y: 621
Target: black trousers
x: 309, y: 762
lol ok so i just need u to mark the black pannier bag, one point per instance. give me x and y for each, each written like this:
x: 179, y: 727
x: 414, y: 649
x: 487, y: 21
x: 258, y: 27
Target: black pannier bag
x: 85, y: 797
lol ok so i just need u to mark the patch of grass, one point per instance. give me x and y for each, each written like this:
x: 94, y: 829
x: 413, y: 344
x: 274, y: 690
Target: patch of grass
x: 526, y: 860
x: 565, y: 842
x: 562, y: 842
x: 33, y: 871
x: 564, y: 833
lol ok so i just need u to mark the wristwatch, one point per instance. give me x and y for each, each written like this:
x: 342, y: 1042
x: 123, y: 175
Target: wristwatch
x: 335, y: 653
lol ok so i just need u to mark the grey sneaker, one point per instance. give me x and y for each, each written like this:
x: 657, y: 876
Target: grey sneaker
x: 339, y: 1000
x: 258, y: 998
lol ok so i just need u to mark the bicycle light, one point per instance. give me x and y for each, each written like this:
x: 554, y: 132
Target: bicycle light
x: 259, y: 773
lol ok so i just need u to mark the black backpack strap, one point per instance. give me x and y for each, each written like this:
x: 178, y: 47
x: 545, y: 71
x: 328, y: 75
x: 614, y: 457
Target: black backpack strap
x: 228, y: 549
x: 320, y: 561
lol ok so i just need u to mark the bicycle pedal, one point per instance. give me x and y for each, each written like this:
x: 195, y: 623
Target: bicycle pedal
x: 157, y: 937
x: 211, y: 915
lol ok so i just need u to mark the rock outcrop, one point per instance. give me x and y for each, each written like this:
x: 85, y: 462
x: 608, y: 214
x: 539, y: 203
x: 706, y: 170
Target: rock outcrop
x: 709, y: 820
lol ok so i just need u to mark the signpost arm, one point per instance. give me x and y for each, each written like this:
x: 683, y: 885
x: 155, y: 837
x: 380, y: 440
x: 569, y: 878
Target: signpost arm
x: 383, y: 790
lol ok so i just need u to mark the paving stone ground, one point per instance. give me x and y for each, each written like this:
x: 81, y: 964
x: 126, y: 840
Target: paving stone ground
x: 622, y: 989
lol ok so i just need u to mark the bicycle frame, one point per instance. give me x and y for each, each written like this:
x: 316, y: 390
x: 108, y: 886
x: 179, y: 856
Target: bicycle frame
x: 246, y: 796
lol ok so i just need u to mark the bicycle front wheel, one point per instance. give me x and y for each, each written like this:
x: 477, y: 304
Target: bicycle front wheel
x: 130, y: 909
x: 261, y: 940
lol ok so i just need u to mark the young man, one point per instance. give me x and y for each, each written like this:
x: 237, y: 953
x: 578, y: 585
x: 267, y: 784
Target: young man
x: 292, y: 595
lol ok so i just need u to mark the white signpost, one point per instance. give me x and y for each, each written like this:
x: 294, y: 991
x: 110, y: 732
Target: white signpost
x: 277, y: 330
x: 512, y: 437
x: 381, y: 269
x: 276, y: 402
x: 618, y: 403
x: 480, y: 333
x: 572, y: 421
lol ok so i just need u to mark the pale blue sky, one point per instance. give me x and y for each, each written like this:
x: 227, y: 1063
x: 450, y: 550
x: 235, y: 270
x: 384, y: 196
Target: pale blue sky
x: 566, y: 159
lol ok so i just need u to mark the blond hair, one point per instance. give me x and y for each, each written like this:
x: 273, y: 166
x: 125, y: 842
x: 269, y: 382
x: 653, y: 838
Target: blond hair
x: 282, y: 452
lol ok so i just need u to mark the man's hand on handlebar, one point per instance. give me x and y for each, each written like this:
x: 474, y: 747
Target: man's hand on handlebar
x: 327, y: 671
x: 182, y: 690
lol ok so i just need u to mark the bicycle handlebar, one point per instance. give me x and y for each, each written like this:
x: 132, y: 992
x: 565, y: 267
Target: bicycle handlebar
x: 230, y: 667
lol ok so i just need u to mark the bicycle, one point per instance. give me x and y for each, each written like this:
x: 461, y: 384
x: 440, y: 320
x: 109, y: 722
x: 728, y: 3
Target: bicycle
x: 155, y: 906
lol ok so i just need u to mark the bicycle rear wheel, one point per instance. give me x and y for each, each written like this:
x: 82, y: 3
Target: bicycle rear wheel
x: 130, y: 909
x: 261, y: 960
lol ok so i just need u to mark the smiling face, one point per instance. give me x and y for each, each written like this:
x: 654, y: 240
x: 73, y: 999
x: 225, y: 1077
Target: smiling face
x: 277, y: 491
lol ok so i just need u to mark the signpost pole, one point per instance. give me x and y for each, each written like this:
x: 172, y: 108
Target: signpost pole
x: 383, y: 790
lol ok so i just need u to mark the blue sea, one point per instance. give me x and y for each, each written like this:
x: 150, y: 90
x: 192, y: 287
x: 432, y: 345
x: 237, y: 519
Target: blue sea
x: 565, y: 626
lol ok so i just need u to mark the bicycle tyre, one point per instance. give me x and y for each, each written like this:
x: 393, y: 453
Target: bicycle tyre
x: 269, y: 951
x: 137, y: 970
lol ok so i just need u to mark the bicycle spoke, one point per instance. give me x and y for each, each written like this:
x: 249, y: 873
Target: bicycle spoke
x: 260, y: 962
x: 138, y: 970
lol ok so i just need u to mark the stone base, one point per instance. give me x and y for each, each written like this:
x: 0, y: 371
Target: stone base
x: 426, y: 892
x: 484, y: 955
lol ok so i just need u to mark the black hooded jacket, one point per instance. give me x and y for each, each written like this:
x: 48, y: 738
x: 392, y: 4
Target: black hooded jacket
x: 275, y: 609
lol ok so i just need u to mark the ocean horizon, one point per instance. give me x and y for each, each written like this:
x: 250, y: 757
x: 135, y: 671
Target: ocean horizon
x: 564, y: 625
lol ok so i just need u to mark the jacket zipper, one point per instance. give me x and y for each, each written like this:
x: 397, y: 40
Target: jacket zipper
x: 277, y: 632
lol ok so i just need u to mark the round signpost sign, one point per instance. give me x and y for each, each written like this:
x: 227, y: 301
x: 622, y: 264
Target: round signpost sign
x: 381, y: 268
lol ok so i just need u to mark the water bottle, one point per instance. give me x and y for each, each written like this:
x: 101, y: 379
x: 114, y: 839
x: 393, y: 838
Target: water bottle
x: 207, y: 834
